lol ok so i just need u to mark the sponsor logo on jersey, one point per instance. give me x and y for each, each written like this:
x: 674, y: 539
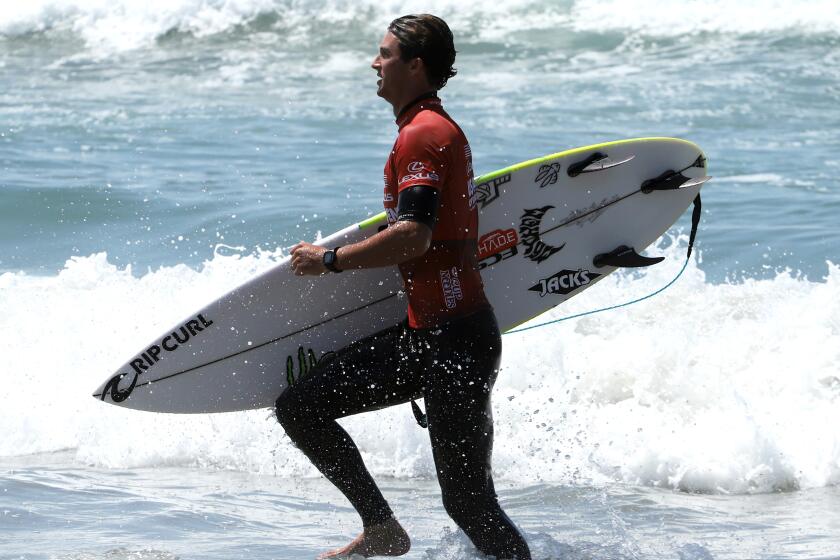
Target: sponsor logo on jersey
x: 496, y: 241
x: 422, y: 175
x: 529, y: 230
x: 488, y: 191
x: 387, y: 196
x: 471, y: 192
x: 392, y: 215
x: 547, y: 174
x: 152, y: 355
x: 415, y: 167
x: 451, y: 286
x: 564, y: 282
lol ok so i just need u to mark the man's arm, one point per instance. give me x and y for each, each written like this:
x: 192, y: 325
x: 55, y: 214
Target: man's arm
x: 397, y: 243
x: 409, y: 237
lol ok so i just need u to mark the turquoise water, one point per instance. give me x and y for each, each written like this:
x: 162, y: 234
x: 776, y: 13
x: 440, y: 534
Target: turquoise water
x: 156, y: 154
x: 270, y: 130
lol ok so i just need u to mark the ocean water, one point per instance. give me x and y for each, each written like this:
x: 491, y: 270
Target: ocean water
x: 156, y: 154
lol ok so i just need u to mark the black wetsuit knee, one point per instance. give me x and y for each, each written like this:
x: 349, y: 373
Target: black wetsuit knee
x: 284, y: 410
x: 290, y: 414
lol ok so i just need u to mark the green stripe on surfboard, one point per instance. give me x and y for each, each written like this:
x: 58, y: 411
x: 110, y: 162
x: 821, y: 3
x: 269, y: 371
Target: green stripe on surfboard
x: 372, y: 220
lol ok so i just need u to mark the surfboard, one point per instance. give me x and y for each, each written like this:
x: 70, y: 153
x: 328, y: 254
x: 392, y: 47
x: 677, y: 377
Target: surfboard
x: 549, y: 229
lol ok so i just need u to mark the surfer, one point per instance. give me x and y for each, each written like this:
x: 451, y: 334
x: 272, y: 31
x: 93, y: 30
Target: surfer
x: 449, y: 347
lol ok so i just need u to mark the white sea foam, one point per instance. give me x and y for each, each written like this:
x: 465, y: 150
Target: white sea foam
x: 768, y: 178
x: 125, y: 24
x: 117, y: 25
x: 678, y: 18
x: 712, y: 388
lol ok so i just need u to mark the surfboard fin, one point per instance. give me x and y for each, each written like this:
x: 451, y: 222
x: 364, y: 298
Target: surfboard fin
x: 695, y: 182
x: 670, y: 181
x: 626, y: 257
x: 595, y: 162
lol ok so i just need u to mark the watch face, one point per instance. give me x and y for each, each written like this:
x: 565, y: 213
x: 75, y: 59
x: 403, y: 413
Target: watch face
x: 329, y: 260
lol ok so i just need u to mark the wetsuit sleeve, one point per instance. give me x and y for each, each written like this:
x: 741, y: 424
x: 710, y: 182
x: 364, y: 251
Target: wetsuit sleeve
x: 418, y: 204
x: 420, y: 160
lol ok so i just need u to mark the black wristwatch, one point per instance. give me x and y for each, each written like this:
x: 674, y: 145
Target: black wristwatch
x: 329, y: 260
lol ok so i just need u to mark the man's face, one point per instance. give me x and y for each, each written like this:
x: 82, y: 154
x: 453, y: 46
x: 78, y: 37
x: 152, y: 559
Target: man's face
x: 394, y: 74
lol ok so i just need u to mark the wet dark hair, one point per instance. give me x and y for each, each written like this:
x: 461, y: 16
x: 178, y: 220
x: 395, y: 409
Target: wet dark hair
x: 426, y: 37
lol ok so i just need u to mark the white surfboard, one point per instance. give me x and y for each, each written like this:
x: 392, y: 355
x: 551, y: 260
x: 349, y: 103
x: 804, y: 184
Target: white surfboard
x: 549, y: 229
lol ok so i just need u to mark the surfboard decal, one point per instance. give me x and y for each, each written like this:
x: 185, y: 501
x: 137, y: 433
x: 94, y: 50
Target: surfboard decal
x: 488, y: 191
x: 529, y: 231
x: 113, y: 388
x: 547, y: 174
x: 254, y: 346
x: 564, y: 282
x: 306, y: 363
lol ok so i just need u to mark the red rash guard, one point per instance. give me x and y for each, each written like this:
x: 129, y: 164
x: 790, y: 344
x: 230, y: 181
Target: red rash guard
x: 444, y: 283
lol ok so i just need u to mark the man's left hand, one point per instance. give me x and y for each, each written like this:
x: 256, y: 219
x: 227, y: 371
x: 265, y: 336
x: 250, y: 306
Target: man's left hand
x: 308, y: 259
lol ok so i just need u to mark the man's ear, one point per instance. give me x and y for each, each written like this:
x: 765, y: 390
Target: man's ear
x: 417, y: 65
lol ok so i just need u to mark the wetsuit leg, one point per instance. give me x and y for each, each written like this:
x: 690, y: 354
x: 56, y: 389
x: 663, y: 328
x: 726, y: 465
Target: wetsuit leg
x: 372, y: 373
x: 457, y: 399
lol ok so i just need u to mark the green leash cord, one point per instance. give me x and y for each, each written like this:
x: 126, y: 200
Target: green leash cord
x: 594, y: 311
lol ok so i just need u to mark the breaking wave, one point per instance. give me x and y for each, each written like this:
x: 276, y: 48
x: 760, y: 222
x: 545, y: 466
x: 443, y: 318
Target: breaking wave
x: 705, y: 388
x: 119, y: 25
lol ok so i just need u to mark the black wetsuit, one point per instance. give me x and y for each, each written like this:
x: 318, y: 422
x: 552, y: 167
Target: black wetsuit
x: 453, y: 367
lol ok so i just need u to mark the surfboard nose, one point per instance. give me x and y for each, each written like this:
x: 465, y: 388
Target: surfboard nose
x: 99, y: 392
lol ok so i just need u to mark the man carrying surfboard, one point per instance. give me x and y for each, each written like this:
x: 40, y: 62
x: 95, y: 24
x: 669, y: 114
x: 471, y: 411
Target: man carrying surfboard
x: 448, y: 349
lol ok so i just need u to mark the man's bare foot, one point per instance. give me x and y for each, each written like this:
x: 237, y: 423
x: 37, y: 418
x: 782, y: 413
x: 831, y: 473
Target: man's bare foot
x: 386, y: 539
